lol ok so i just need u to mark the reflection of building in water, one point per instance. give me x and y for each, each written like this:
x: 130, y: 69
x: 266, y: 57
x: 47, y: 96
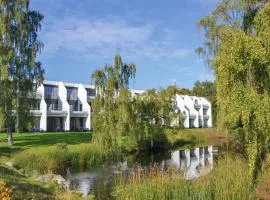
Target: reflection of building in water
x: 195, y: 162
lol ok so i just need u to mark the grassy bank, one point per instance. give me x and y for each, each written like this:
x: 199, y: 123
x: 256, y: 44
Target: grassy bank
x: 38, y: 153
x: 24, y: 187
x: 180, y: 139
x: 228, y: 180
x: 57, y: 158
x: 188, y: 138
x: 43, y: 152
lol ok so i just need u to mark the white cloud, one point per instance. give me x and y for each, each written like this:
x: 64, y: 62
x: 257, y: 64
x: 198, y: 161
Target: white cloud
x: 92, y: 38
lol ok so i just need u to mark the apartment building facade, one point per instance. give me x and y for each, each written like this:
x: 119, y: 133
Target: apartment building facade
x: 61, y: 106
x: 197, y: 111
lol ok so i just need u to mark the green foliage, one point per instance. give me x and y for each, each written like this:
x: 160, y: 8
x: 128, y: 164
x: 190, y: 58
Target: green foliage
x: 119, y: 112
x: 221, y: 184
x: 237, y: 38
x: 111, y: 83
x: 19, y: 71
x: 175, y: 90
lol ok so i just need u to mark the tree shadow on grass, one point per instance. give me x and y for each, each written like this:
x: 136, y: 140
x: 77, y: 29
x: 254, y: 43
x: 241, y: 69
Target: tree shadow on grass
x: 21, y: 187
x: 44, y: 139
x: 7, y: 150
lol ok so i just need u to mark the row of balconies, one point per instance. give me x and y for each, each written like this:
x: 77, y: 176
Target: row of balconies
x: 198, y: 106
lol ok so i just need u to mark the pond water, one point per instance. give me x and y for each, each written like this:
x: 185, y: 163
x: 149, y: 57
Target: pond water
x: 193, y: 163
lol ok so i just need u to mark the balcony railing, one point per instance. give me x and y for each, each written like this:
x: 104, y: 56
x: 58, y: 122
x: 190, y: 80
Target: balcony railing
x: 206, y: 116
x: 192, y: 116
x: 79, y: 113
x: 36, y: 112
x: 205, y: 106
x: 55, y: 113
x: 197, y: 106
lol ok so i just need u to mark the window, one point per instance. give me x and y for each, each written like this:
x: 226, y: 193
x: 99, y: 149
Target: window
x: 51, y: 92
x: 90, y: 92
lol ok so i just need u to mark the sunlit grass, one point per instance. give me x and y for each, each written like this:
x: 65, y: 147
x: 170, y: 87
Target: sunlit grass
x: 228, y: 180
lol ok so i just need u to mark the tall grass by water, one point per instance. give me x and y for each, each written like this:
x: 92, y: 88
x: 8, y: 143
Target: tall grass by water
x: 228, y: 180
x: 59, y: 157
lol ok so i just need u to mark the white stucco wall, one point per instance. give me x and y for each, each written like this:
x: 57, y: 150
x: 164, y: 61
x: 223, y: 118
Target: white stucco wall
x: 82, y: 95
x: 43, y: 108
x: 65, y: 106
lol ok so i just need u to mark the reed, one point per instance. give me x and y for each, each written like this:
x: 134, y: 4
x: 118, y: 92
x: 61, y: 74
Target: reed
x: 59, y: 157
x: 228, y: 180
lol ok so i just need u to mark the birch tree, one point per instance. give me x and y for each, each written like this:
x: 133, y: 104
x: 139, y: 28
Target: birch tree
x: 20, y: 73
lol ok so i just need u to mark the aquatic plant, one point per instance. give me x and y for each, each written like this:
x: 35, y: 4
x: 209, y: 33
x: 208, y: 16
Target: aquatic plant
x: 228, y: 180
x: 58, y: 158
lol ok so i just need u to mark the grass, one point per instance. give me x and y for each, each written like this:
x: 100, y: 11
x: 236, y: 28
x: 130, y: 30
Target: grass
x: 30, y: 140
x: 57, y: 158
x: 228, y: 180
x: 189, y: 138
x: 26, y: 188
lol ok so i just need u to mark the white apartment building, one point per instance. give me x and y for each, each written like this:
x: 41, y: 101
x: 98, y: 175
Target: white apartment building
x: 197, y: 111
x: 61, y: 106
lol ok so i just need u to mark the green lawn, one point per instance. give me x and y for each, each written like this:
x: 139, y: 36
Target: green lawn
x: 23, y: 141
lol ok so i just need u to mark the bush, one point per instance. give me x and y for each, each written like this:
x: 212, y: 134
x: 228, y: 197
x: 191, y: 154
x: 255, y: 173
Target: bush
x: 5, y: 192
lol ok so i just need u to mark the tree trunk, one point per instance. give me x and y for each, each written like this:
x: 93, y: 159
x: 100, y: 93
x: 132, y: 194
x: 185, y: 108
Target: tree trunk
x: 10, y: 137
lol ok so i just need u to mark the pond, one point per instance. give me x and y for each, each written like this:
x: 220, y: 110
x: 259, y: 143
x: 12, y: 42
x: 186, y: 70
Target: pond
x: 193, y: 163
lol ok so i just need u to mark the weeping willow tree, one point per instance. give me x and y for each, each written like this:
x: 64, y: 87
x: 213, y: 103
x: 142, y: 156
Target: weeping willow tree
x: 237, y: 47
x: 120, y: 112
x: 111, y: 84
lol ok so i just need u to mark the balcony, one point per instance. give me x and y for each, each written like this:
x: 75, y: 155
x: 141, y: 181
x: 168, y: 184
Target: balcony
x: 206, y: 116
x: 192, y: 116
x: 36, y: 112
x: 205, y: 106
x: 79, y: 113
x: 57, y: 112
x: 197, y: 106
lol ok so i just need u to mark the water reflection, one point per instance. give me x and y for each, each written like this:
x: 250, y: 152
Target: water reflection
x: 193, y: 162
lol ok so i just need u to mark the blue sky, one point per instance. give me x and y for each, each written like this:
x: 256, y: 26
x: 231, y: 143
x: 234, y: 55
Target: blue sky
x: 159, y: 36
